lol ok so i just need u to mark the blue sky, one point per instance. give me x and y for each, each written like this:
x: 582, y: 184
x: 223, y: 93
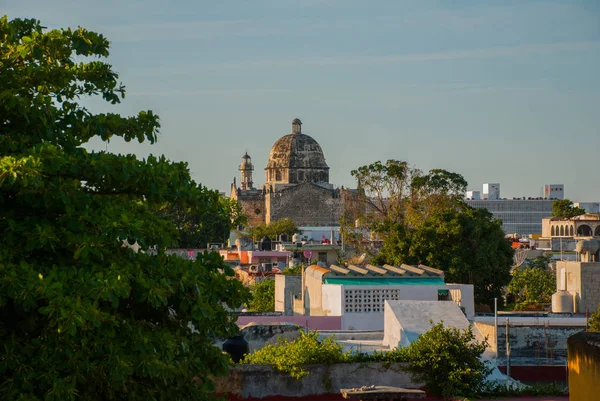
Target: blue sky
x: 499, y: 91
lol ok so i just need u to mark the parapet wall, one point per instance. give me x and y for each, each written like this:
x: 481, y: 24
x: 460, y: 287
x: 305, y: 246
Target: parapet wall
x: 584, y: 366
x: 259, y: 381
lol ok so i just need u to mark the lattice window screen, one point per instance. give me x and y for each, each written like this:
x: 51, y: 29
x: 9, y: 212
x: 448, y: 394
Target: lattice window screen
x: 368, y: 299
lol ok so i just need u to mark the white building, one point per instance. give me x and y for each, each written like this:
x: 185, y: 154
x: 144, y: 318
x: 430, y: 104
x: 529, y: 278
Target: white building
x: 520, y: 216
x: 589, y: 207
x: 358, y: 293
x: 554, y: 191
x: 491, y: 191
x: 474, y: 195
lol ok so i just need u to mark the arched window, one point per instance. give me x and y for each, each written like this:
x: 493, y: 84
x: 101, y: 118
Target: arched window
x: 584, y: 230
x: 597, y: 232
x: 277, y: 175
x: 552, y: 231
x: 562, y: 231
x: 571, y: 231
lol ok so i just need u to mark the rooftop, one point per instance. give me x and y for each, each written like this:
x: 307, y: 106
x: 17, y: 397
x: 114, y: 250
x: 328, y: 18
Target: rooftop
x: 378, y: 275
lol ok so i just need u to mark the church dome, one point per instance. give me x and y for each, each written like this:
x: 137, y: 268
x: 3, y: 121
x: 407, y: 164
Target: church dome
x: 296, y: 157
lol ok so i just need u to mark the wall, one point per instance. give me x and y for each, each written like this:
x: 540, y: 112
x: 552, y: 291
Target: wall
x: 332, y: 299
x: 307, y: 204
x: 584, y: 366
x: 313, y: 279
x: 310, y: 322
x: 591, y: 287
x: 287, y: 287
x: 583, y: 281
x: 375, y: 320
x: 533, y: 341
x: 261, y: 381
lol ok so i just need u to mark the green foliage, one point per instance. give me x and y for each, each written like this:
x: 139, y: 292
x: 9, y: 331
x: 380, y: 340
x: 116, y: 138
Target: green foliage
x: 84, y: 317
x: 274, y: 229
x: 467, y: 244
x: 448, y: 361
x: 594, y: 321
x: 291, y: 356
x: 263, y: 296
x: 422, y: 219
x: 495, y: 390
x: 297, y: 270
x: 532, y: 285
x: 563, y: 208
x: 199, y: 226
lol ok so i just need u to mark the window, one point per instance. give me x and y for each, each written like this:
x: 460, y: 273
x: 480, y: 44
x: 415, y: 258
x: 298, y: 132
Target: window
x: 368, y: 300
x: 277, y: 175
x: 322, y: 257
x: 443, y: 295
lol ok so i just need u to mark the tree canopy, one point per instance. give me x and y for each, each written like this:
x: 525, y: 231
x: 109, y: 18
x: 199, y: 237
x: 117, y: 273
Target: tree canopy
x: 274, y: 229
x: 564, y: 208
x: 532, y: 285
x: 263, y: 296
x: 84, y: 317
x: 198, y: 227
x: 422, y: 219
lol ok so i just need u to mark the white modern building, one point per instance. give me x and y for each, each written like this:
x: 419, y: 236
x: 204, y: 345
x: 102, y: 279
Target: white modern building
x: 491, y: 191
x: 554, y: 191
x: 474, y: 195
x: 518, y: 216
x: 358, y: 293
x: 589, y: 207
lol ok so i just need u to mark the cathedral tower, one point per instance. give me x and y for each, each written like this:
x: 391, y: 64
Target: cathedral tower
x: 246, y: 169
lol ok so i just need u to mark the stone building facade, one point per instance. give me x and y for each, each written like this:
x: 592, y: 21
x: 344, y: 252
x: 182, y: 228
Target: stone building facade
x: 296, y: 185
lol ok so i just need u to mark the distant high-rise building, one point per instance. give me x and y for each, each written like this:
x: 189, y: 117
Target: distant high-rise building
x: 474, y: 195
x: 491, y: 191
x: 589, y: 207
x: 554, y: 191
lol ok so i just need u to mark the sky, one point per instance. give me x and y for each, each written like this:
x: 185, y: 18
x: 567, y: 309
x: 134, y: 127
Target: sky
x: 499, y: 91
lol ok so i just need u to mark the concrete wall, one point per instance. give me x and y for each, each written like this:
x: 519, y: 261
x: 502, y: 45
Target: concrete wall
x: 407, y: 320
x: 259, y: 381
x: 362, y: 321
x: 584, y: 366
x: 375, y: 320
x: 287, y: 287
x: 331, y: 299
x: 533, y: 341
x: 583, y: 281
x: 310, y: 322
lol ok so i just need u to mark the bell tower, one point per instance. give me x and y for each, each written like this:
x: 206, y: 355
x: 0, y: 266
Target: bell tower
x: 246, y: 169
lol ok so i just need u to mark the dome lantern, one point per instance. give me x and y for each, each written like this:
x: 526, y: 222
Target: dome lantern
x: 296, y: 126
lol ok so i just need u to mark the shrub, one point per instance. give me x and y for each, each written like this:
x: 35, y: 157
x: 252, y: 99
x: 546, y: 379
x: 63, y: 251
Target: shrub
x: 263, y: 296
x: 594, y: 322
x: 291, y: 356
x: 448, y: 361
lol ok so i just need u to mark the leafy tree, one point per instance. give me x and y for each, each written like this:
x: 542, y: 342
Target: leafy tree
x: 563, y: 208
x: 422, y: 218
x: 594, y: 321
x: 291, y: 356
x: 448, y: 361
x: 274, y: 229
x: 84, y: 317
x: 212, y: 223
x: 293, y: 270
x: 263, y: 296
x: 468, y: 245
x: 532, y: 285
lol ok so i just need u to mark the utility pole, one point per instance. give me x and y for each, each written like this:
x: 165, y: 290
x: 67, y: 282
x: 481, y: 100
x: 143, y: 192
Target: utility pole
x: 496, y: 327
x: 507, y: 348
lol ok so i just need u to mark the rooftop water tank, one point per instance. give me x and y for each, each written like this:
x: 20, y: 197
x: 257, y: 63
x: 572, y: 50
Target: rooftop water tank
x: 562, y: 302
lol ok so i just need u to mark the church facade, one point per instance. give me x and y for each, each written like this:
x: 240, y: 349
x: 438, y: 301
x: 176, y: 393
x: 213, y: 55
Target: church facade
x: 296, y: 185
